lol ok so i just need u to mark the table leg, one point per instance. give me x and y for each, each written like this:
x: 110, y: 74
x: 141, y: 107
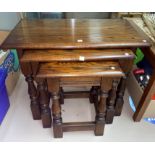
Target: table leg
x: 101, y: 107
x: 93, y: 94
x: 111, y: 102
x: 44, y: 104
x: 61, y: 100
x: 120, y: 94
x: 32, y: 91
x: 53, y: 86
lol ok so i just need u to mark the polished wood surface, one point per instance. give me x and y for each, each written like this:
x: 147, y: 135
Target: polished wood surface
x: 54, y: 89
x: 79, y: 69
x: 74, y: 33
x: 110, y: 113
x: 101, y: 107
x: 120, y: 94
x: 78, y: 126
x: 44, y: 104
x: 68, y: 40
x: 79, y: 82
x: 76, y: 55
x: 77, y: 94
x: 56, y: 72
x: 32, y: 91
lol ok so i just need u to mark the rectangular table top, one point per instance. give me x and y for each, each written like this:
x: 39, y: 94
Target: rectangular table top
x: 76, y: 55
x: 74, y: 33
x: 80, y: 69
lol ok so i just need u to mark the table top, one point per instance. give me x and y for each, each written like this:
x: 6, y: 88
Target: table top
x: 75, y: 55
x: 74, y: 33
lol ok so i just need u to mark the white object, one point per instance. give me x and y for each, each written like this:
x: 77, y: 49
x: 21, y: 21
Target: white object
x: 81, y: 58
x: 79, y: 40
x: 113, y: 68
x: 127, y: 54
x: 144, y: 41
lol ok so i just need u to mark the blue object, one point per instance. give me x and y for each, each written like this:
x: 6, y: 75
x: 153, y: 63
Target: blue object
x: 145, y: 64
x: 132, y: 104
x: 4, y: 100
x: 150, y: 120
x: 10, y: 63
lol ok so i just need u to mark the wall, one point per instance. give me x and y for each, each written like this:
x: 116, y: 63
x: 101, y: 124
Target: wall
x: 95, y: 15
x: 8, y: 20
x: 43, y: 15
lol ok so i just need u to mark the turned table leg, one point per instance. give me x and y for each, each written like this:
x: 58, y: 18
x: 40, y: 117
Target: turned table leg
x: 120, y: 94
x: 53, y: 86
x: 101, y: 107
x: 110, y: 112
x: 61, y: 100
x: 32, y: 91
x: 93, y: 97
x: 44, y: 104
x: 57, y: 120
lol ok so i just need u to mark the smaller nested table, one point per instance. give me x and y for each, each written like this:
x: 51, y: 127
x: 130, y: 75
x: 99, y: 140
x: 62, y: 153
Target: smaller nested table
x: 105, y: 74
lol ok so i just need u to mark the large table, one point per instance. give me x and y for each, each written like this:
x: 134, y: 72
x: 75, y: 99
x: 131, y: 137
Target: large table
x: 66, y: 39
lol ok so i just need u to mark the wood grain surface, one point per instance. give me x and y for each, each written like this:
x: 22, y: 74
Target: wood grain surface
x: 76, y: 55
x: 74, y: 33
x: 79, y: 69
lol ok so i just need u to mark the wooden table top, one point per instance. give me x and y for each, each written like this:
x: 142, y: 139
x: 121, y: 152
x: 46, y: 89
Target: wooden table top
x: 76, y: 55
x: 80, y: 69
x: 74, y: 33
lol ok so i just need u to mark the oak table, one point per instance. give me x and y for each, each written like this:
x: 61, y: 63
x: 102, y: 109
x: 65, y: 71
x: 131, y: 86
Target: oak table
x: 68, y: 39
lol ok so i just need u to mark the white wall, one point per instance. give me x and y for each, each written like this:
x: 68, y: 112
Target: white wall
x: 8, y: 20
